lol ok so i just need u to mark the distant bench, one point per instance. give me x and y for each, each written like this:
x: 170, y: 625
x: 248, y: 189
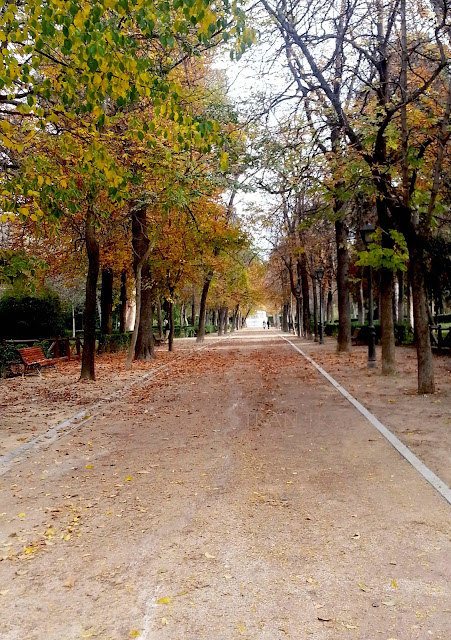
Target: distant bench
x: 159, y: 340
x: 33, y: 357
x: 438, y: 342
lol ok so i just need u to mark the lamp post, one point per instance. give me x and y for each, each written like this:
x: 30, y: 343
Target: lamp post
x: 319, y: 277
x: 298, y: 308
x: 367, y: 236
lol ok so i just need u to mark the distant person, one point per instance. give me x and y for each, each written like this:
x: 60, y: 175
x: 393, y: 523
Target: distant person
x: 264, y: 324
x: 269, y: 324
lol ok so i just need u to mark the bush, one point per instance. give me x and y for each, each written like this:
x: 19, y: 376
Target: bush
x: 331, y: 329
x: 443, y: 318
x: 31, y: 316
x: 8, y: 354
x: 403, y: 334
x: 114, y: 342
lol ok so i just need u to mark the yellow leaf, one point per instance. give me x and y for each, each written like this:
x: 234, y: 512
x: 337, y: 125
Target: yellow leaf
x: 5, y: 217
x: 24, y: 211
x: 21, y: 515
x: 29, y: 550
x: 89, y: 466
x: 241, y: 628
x: 165, y: 600
x: 394, y: 584
x: 224, y: 162
x: 40, y: 181
x: 134, y: 634
x: 34, y: 217
x: 128, y: 479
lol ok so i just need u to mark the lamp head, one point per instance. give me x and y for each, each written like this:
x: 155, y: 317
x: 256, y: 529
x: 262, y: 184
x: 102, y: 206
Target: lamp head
x: 320, y: 273
x: 366, y: 233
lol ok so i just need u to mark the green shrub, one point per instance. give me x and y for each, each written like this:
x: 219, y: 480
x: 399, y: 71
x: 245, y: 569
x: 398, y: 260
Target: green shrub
x: 444, y: 318
x: 114, y: 342
x: 8, y: 354
x: 31, y: 316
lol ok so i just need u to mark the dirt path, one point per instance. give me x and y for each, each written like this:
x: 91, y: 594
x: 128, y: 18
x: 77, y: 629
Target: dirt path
x: 238, y: 498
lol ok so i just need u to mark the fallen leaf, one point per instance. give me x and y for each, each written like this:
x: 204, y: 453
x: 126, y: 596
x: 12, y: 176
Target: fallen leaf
x: 394, y: 584
x: 356, y: 536
x: 21, y: 515
x: 209, y: 556
x: 241, y: 628
x: 70, y: 583
x: 89, y: 466
x: 165, y: 600
x: 134, y: 633
x: 164, y: 622
x: 324, y: 619
x: 128, y: 479
x: 350, y: 626
x: 389, y: 603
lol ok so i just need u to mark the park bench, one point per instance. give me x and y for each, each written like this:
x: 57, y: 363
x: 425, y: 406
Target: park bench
x: 159, y: 340
x: 355, y: 336
x: 33, y: 357
x: 438, y: 342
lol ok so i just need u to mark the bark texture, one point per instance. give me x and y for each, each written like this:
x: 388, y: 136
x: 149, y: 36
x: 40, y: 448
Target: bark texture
x: 344, y: 308
x: 89, y: 336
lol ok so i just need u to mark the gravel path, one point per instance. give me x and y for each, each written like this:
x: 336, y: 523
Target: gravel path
x: 238, y: 496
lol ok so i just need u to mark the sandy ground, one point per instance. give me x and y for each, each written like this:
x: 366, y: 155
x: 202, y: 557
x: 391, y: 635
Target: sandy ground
x: 422, y: 422
x: 31, y: 404
x: 236, y: 496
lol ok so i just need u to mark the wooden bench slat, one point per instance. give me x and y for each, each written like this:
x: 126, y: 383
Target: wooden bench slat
x: 35, y: 356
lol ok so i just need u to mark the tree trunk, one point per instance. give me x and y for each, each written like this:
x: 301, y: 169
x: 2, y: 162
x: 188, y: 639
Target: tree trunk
x: 305, y: 297
x: 226, y: 319
x: 220, y: 320
x: 344, y: 308
x: 421, y: 320
x: 360, y: 308
x: 203, y: 306
x: 89, y: 336
x: 330, y: 306
x: 144, y: 349
x: 285, y: 317
x: 386, y: 320
x: 106, y: 302
x: 123, y: 307
x: 193, y: 308
x: 315, y: 310
x: 159, y: 318
x: 171, y: 326
x: 400, y: 297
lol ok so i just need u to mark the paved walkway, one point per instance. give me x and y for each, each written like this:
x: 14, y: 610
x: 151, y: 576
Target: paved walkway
x: 236, y: 497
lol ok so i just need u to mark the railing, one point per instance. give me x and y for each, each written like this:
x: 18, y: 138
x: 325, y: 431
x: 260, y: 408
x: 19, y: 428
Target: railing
x: 59, y: 347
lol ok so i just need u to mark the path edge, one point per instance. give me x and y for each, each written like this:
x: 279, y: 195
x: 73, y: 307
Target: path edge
x: 439, y: 485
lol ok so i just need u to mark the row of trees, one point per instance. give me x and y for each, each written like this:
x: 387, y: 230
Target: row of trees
x: 117, y: 146
x: 361, y: 133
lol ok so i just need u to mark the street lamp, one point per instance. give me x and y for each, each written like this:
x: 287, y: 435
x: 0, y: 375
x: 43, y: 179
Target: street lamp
x: 367, y: 232
x: 319, y: 277
x: 298, y: 307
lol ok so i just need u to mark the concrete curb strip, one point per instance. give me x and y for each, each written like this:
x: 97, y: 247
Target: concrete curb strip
x: 416, y: 463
